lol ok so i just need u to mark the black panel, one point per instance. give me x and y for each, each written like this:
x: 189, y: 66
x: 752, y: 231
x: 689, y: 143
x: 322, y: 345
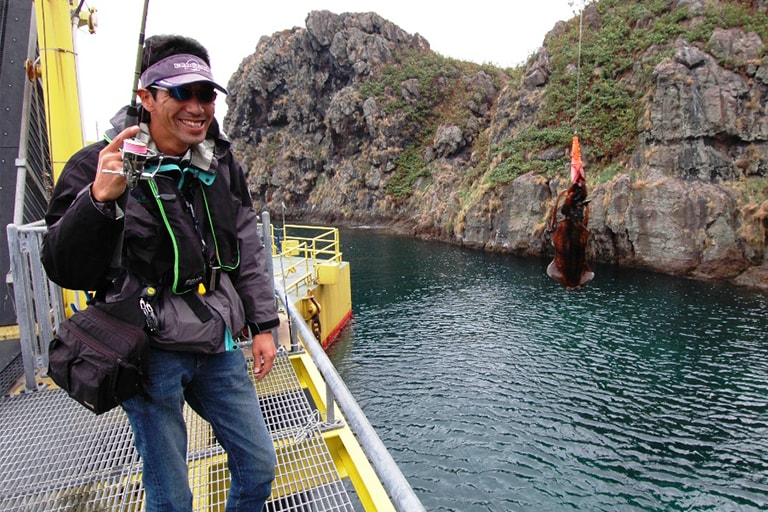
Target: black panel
x: 15, y: 18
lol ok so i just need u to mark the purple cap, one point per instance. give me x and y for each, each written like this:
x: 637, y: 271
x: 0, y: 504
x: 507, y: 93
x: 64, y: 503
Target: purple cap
x: 179, y: 69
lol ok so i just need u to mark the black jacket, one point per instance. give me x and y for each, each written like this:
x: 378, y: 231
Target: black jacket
x: 162, y: 246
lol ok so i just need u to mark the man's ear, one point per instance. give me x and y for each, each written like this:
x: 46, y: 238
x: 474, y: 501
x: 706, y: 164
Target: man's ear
x: 147, y: 99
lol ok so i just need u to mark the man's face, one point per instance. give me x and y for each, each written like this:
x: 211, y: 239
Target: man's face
x: 180, y: 117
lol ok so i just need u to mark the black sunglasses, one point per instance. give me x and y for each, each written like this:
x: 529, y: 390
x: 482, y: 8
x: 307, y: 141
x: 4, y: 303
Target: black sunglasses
x: 186, y: 93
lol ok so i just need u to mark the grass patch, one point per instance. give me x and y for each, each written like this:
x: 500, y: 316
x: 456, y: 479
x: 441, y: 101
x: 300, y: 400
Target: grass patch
x: 596, y: 89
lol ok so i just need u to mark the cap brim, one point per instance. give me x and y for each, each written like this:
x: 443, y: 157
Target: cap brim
x: 188, y: 78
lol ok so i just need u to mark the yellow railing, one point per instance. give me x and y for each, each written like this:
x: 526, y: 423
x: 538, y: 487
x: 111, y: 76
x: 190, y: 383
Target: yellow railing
x: 299, y: 248
x: 317, y: 242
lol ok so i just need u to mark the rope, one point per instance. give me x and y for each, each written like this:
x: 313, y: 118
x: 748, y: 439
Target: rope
x: 309, y: 428
x: 314, y: 423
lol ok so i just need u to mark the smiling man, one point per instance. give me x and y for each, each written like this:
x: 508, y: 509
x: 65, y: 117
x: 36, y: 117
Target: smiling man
x: 179, y: 93
x: 179, y: 254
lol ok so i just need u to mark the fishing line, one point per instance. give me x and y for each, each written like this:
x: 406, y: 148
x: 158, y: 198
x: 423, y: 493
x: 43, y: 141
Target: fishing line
x: 578, y: 72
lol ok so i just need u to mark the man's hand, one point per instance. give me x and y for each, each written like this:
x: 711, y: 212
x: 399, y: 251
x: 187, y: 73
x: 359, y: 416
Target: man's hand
x: 108, y: 187
x: 264, y: 353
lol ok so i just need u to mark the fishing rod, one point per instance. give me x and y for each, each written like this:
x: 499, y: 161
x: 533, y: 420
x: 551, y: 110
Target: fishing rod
x: 132, y: 115
x: 135, y: 151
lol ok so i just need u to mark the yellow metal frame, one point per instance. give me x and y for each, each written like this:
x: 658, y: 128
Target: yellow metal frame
x: 315, y: 265
x: 58, y: 72
x: 348, y: 456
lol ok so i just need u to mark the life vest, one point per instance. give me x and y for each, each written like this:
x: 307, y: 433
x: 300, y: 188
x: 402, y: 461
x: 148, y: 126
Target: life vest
x: 180, y: 225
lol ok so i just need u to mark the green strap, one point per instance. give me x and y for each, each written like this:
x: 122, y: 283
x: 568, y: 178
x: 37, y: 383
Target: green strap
x: 227, y: 268
x: 207, y: 178
x: 156, y: 194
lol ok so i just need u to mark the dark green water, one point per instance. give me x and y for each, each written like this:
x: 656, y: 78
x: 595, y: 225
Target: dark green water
x: 497, y: 390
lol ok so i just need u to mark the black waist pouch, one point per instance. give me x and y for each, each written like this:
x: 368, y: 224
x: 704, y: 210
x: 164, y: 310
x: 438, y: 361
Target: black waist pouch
x: 99, y: 359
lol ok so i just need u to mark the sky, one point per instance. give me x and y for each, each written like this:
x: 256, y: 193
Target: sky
x: 503, y: 33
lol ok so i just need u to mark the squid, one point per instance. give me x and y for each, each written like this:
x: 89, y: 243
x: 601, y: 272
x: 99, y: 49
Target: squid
x: 570, y: 234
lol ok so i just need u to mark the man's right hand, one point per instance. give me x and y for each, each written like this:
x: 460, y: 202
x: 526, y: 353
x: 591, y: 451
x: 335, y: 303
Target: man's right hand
x: 107, y: 186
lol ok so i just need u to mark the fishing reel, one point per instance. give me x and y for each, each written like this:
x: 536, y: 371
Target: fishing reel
x: 135, y: 156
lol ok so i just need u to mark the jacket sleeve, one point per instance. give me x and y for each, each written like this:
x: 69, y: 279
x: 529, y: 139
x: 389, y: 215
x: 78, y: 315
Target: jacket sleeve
x: 253, y: 281
x: 82, y: 235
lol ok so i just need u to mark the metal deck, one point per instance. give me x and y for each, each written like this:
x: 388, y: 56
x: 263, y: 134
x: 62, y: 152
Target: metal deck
x: 57, y: 456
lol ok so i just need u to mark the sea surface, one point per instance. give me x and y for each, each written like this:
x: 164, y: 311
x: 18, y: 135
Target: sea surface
x: 497, y: 390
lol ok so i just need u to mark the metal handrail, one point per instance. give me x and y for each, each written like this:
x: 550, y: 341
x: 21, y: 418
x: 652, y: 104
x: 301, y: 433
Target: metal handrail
x: 39, y: 308
x: 39, y: 304
x: 325, y: 247
x: 324, y: 244
x: 393, y: 480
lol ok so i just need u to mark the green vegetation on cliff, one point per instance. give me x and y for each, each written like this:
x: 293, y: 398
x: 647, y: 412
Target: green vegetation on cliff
x: 441, y: 99
x: 599, y: 93
x: 601, y: 66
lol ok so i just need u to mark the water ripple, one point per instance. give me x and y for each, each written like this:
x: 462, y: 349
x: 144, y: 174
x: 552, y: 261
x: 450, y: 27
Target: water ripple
x: 496, y: 390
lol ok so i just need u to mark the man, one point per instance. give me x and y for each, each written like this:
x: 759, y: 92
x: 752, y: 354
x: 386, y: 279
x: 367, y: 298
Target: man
x: 182, y: 253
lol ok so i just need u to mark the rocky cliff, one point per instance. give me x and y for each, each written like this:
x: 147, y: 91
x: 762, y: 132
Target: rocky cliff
x: 352, y: 120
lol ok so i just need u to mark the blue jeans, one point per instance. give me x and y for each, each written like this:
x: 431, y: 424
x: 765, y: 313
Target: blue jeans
x: 218, y: 388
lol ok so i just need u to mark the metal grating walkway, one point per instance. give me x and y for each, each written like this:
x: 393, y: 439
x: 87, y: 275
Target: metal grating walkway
x: 57, y: 456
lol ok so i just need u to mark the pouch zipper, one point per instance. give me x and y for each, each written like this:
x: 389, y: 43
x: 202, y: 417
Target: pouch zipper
x: 83, y: 337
